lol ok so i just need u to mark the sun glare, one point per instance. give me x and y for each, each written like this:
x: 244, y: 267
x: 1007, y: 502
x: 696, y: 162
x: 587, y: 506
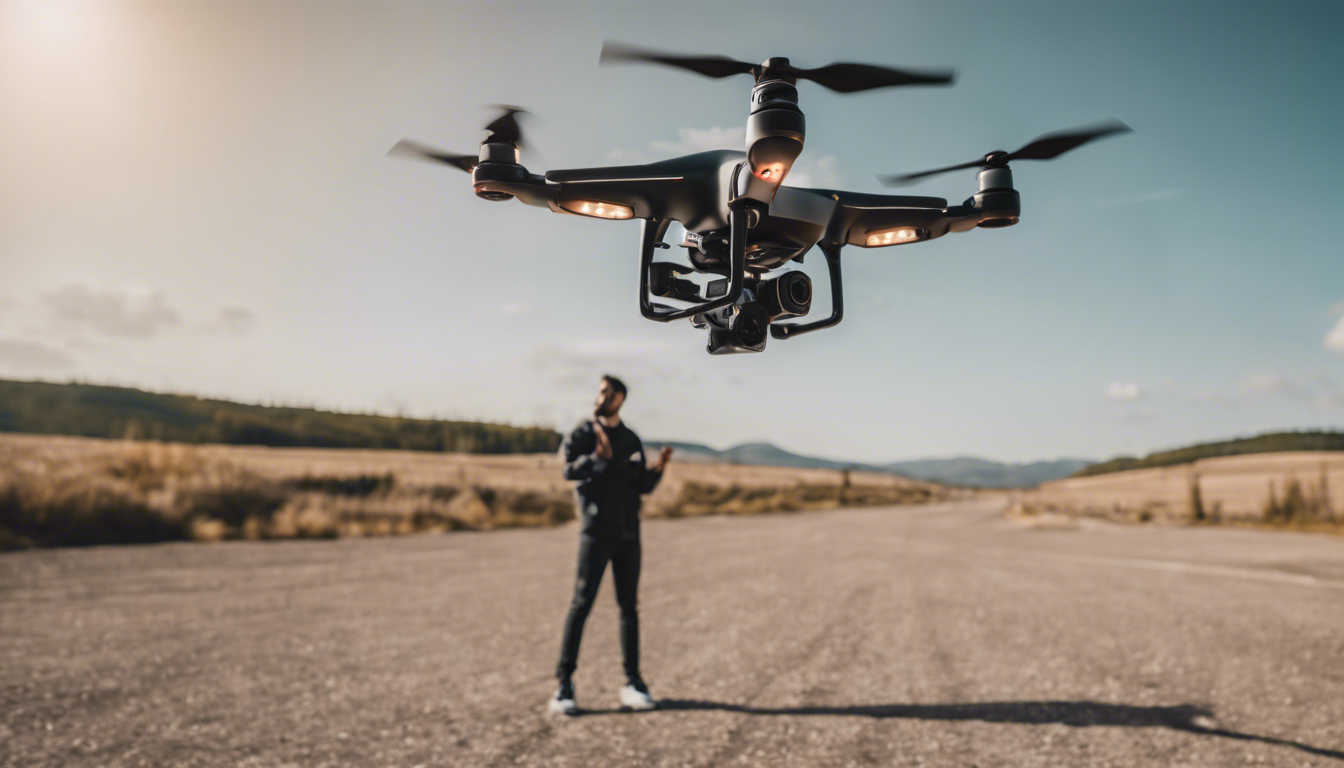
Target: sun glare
x: 50, y: 24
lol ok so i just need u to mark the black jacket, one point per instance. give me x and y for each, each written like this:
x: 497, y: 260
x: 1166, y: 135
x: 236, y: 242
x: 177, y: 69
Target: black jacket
x: 608, y: 490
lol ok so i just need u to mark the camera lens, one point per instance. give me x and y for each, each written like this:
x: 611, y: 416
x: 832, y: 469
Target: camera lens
x: 750, y: 325
x: 801, y: 292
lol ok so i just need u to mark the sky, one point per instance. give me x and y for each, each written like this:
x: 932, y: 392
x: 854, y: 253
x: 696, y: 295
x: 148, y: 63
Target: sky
x: 197, y: 198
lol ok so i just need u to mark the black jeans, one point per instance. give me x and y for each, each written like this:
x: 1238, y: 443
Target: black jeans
x: 594, y: 553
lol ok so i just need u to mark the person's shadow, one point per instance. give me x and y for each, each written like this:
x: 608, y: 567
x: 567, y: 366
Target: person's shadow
x: 1183, y: 717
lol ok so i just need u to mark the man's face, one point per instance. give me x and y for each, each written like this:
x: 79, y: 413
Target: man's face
x: 608, y: 400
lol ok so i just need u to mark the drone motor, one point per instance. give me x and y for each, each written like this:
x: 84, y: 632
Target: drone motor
x: 498, y: 163
x: 776, y: 127
x: 997, y: 195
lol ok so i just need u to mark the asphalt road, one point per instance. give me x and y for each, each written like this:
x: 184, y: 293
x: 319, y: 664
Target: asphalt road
x: 918, y: 636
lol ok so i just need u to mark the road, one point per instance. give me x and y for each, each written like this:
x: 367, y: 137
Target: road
x: 942, y: 635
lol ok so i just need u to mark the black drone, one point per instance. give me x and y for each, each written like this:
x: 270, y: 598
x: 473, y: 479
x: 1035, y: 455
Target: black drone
x: 741, y: 224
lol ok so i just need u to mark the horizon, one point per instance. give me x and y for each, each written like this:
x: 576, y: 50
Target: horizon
x: 197, y: 199
x: 655, y: 440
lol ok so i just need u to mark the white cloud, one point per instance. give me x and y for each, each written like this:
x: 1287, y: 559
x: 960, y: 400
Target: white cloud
x: 236, y: 319
x: 1214, y: 397
x: 814, y: 170
x: 1329, y: 402
x: 29, y: 356
x: 131, y: 314
x: 1268, y: 383
x: 1319, y: 392
x: 1137, y: 416
x: 691, y: 140
x: 579, y: 364
x: 1161, y: 194
x: 1124, y: 392
x: 516, y: 309
x: 811, y: 169
x: 1334, y: 340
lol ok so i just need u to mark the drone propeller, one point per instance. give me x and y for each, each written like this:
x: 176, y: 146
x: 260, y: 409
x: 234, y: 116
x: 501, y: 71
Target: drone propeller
x: 841, y: 77
x: 408, y: 148
x: 1046, y: 147
x: 502, y: 130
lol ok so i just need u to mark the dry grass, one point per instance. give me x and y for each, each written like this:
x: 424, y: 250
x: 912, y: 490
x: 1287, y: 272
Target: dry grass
x: 58, y: 491
x: 1302, y: 490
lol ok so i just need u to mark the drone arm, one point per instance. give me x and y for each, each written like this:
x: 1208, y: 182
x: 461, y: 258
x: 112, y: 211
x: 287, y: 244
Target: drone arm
x: 513, y: 181
x: 653, y: 230
x: 788, y: 330
x: 866, y: 220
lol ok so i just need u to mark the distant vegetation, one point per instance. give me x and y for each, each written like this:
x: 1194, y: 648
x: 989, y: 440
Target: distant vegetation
x: 128, y: 493
x: 1271, y: 443
x: 117, y: 412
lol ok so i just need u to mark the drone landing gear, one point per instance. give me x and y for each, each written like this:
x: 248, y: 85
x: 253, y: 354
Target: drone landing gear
x: 652, y: 235
x: 736, y: 316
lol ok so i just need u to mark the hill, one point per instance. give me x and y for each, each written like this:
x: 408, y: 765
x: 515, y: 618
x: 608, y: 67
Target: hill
x: 981, y: 473
x: 962, y: 471
x: 1273, y: 442
x: 119, y: 412
x: 88, y: 410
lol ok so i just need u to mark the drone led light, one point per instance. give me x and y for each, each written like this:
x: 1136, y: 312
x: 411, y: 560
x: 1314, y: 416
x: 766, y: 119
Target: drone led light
x: 891, y: 237
x: 772, y: 172
x: 598, y: 209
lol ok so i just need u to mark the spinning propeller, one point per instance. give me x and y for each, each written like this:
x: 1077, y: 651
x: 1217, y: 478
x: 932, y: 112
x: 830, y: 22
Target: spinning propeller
x: 1046, y: 147
x: 502, y: 130
x: 842, y: 77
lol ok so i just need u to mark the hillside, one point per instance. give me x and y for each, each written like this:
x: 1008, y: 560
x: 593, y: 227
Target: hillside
x: 88, y: 410
x: 981, y: 473
x: 961, y: 471
x: 1274, y: 442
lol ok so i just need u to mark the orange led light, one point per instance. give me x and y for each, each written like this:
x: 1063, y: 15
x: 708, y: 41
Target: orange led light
x: 598, y: 209
x: 892, y: 237
x: 771, y: 172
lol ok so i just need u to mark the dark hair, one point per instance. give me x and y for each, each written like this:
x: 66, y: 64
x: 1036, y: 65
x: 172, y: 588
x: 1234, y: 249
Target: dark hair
x: 616, y: 384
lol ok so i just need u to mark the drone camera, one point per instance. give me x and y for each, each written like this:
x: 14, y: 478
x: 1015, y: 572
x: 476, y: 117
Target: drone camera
x: 665, y: 280
x: 789, y: 295
x: 746, y: 330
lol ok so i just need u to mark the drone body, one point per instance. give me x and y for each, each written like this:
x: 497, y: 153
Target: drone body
x: 741, y: 223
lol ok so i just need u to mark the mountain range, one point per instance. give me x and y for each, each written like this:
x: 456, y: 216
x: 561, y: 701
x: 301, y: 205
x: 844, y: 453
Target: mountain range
x: 960, y: 470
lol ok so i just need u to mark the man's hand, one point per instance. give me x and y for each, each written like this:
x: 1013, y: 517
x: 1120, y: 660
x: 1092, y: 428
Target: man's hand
x: 603, y: 442
x: 663, y: 456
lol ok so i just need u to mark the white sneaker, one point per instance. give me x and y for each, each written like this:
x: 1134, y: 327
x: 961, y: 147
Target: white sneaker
x: 635, y: 695
x: 562, y: 703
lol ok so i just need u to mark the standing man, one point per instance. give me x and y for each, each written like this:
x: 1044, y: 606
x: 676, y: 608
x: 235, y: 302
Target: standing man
x: 605, y: 459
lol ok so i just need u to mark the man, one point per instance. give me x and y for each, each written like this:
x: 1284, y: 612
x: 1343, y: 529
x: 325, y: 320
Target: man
x: 605, y: 459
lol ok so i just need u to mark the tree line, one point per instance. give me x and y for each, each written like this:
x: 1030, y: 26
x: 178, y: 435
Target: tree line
x: 1275, y: 442
x: 123, y: 413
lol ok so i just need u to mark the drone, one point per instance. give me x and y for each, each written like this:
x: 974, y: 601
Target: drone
x: 742, y: 224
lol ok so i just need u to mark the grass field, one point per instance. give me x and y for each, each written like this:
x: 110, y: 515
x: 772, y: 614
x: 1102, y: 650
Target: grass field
x: 61, y: 491
x: 1297, y: 489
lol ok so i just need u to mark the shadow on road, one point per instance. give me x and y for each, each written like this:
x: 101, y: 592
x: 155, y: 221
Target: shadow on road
x: 1183, y: 717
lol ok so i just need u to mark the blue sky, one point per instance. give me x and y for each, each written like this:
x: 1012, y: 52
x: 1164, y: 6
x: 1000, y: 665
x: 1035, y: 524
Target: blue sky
x: 196, y: 198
